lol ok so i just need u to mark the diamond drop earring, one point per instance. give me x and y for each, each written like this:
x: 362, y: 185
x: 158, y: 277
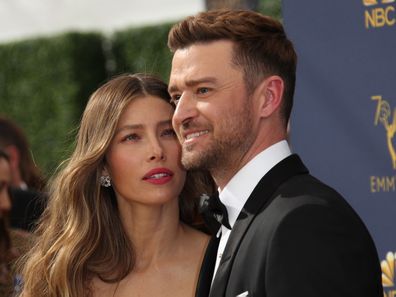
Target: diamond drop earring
x: 105, y: 181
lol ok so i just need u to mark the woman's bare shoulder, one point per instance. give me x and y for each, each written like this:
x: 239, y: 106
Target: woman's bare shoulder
x: 195, y: 236
x: 99, y: 288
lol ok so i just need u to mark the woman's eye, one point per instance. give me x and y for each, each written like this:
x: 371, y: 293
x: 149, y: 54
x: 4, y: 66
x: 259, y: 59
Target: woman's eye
x: 131, y: 137
x: 168, y: 132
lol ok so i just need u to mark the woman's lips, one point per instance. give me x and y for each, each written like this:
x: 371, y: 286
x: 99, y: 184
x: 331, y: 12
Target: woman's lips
x: 158, y: 176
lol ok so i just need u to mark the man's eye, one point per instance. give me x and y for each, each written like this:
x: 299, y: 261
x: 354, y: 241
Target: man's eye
x: 203, y: 90
x: 175, y: 99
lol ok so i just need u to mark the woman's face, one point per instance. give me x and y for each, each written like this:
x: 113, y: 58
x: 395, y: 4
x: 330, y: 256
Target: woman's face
x: 143, y: 159
x: 5, y: 180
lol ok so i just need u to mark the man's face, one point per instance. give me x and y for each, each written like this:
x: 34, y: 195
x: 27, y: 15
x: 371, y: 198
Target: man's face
x: 213, y: 116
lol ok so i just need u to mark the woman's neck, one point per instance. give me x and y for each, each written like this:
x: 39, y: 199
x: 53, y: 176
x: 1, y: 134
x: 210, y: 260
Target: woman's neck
x: 154, y: 231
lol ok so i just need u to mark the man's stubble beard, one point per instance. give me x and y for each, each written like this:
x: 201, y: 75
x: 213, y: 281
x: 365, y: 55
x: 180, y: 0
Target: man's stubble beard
x: 226, y: 150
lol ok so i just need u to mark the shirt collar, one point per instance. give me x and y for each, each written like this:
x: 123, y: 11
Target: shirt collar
x: 237, y: 191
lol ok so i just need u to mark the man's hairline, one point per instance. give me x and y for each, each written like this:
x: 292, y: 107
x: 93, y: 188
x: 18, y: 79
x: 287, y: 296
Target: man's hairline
x: 233, y: 62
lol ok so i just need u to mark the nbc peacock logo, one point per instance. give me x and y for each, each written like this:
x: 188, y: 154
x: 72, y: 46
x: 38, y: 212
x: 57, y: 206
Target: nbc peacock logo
x: 388, y: 274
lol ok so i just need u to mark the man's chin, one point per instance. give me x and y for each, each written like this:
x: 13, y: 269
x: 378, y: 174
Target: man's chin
x: 193, y: 160
x: 189, y: 162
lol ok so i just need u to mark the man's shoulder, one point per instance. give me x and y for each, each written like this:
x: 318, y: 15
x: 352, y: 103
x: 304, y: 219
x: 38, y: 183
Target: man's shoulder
x: 306, y: 201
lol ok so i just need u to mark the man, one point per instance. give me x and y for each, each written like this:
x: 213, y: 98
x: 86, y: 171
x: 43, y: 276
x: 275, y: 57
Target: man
x: 288, y: 234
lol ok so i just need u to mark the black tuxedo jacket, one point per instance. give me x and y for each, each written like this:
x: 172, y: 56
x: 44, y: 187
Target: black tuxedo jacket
x: 295, y: 237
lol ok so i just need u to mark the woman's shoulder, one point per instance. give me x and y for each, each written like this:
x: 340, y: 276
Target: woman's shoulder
x: 196, y: 233
x: 100, y: 288
x: 195, y: 240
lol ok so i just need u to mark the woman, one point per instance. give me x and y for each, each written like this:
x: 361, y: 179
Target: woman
x: 118, y: 213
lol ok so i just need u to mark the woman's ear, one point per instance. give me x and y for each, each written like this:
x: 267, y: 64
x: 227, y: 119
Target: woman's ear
x: 105, y: 171
x: 270, y: 93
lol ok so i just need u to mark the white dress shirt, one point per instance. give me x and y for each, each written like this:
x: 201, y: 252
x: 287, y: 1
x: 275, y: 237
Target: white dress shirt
x: 237, y: 191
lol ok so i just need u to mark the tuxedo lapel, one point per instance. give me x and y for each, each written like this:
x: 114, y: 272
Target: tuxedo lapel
x: 207, y: 268
x: 261, y: 196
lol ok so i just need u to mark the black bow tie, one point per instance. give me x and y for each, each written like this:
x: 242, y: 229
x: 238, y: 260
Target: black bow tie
x: 214, y: 212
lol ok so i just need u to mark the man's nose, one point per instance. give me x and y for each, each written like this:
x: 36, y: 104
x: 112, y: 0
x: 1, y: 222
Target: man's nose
x: 185, y: 110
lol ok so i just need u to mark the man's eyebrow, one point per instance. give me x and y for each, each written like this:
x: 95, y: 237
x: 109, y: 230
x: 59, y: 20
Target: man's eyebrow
x: 194, y: 82
x: 173, y: 89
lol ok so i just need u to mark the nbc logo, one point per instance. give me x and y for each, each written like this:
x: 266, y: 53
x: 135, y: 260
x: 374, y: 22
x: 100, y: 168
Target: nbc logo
x: 379, y: 13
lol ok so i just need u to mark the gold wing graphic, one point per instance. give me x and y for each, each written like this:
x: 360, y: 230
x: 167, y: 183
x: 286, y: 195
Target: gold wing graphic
x: 388, y: 270
x: 370, y: 2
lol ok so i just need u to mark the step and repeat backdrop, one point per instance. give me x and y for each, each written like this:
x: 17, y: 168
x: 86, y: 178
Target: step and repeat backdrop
x: 344, y: 121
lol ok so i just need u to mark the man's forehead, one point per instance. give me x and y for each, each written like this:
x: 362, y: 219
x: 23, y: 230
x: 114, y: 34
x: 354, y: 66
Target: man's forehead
x: 200, y: 61
x: 222, y: 47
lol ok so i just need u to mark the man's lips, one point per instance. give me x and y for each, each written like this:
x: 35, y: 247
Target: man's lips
x: 190, y: 136
x: 158, y: 176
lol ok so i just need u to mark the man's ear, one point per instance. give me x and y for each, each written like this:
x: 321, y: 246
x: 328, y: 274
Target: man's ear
x: 270, y: 93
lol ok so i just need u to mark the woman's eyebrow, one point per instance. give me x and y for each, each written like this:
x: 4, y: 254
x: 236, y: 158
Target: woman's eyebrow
x: 130, y: 127
x: 166, y: 122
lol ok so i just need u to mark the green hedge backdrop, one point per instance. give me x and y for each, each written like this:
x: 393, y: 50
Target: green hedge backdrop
x: 45, y: 82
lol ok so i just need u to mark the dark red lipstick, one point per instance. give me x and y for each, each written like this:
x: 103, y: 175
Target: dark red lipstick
x: 158, y: 176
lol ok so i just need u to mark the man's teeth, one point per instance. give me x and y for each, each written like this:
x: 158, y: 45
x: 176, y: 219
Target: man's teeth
x: 158, y: 175
x: 196, y: 134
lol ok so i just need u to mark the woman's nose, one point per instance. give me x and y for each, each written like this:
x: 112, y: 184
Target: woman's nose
x: 157, y: 152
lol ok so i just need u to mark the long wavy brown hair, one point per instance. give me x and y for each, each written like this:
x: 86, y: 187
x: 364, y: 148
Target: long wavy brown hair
x: 80, y: 235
